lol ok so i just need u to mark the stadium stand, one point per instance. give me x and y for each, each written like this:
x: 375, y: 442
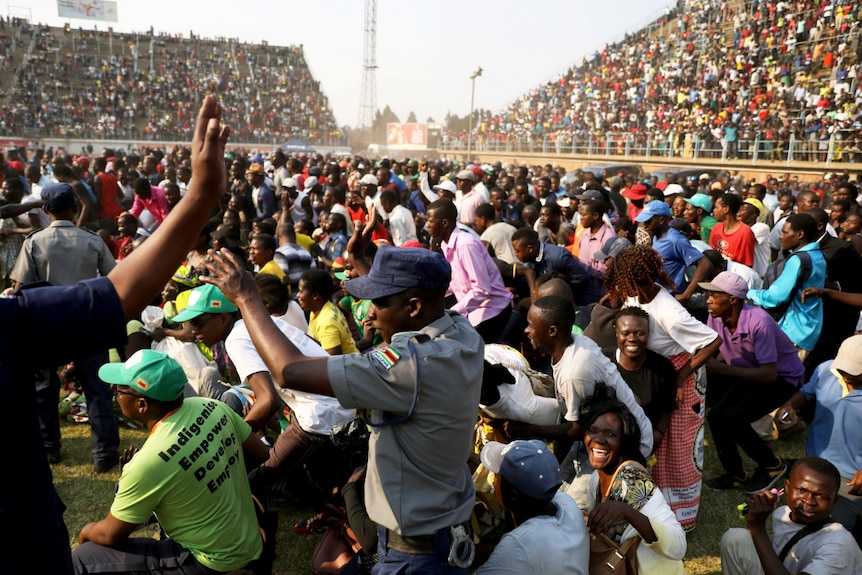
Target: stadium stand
x: 711, y: 78
x: 64, y: 82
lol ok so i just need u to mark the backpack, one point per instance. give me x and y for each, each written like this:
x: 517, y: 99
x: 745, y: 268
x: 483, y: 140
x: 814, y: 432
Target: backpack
x: 774, y: 271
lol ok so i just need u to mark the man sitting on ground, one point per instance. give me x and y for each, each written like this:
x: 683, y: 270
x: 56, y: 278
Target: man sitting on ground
x: 805, y: 540
x: 190, y: 472
x: 549, y: 536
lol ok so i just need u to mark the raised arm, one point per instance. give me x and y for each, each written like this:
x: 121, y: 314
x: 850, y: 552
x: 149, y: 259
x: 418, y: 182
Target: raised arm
x: 287, y: 364
x: 143, y: 274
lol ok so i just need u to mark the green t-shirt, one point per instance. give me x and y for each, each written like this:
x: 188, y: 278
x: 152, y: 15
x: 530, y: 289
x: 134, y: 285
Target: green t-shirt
x: 191, y: 473
x: 706, y: 225
x: 358, y: 308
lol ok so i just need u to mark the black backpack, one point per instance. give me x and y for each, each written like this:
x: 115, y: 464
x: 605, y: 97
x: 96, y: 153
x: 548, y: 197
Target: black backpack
x: 775, y: 269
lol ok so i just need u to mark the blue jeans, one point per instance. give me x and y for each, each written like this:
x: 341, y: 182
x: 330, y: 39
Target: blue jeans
x: 391, y: 562
x: 104, y: 432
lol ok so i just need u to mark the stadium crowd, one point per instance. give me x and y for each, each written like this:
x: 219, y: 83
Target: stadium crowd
x: 99, y: 84
x: 404, y: 340
x: 711, y: 78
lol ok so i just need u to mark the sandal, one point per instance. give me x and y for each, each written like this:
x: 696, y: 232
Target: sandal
x: 311, y: 525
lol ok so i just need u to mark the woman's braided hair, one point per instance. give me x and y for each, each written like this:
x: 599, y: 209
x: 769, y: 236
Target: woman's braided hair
x: 632, y: 272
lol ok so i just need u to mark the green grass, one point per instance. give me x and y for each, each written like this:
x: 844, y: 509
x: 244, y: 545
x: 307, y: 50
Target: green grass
x: 88, y: 498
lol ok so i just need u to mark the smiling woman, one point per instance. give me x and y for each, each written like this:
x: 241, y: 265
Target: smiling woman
x: 624, y: 502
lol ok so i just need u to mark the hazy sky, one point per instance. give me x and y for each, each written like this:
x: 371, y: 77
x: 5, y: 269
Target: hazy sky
x: 426, y: 51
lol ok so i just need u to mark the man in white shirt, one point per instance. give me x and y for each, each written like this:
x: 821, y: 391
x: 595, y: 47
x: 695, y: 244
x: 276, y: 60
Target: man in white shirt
x: 402, y: 228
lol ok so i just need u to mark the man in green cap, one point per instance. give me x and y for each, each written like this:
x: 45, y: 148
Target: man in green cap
x: 190, y: 472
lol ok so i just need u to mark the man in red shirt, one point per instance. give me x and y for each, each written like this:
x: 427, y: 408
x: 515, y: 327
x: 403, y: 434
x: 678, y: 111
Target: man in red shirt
x: 730, y: 237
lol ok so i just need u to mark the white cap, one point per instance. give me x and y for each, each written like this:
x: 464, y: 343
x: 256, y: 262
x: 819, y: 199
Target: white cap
x: 672, y: 189
x: 368, y: 180
x: 310, y: 182
x: 288, y: 183
x: 447, y: 186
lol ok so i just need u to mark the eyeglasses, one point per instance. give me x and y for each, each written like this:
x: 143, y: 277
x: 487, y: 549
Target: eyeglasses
x: 118, y: 392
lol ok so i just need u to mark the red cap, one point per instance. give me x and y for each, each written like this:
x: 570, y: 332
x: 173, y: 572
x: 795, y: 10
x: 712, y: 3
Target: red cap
x: 636, y: 192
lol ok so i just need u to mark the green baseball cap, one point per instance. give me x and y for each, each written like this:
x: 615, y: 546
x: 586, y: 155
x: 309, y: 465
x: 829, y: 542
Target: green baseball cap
x: 153, y: 374
x: 205, y: 299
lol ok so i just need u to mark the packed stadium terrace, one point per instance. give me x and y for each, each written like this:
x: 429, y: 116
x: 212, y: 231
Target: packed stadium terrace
x: 64, y: 82
x: 715, y: 75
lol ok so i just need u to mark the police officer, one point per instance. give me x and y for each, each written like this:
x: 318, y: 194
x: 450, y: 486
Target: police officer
x: 421, y: 388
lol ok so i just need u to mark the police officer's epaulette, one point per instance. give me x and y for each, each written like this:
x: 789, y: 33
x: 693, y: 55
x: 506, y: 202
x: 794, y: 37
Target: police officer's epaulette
x: 420, y: 337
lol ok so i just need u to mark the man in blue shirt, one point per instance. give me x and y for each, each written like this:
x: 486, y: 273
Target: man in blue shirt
x: 674, y: 248
x: 836, y: 390
x: 803, y: 320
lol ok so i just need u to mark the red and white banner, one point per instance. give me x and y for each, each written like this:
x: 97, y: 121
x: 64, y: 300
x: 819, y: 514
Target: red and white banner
x: 407, y: 136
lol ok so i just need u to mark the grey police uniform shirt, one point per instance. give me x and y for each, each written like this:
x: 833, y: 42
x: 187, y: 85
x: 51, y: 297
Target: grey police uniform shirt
x: 62, y: 254
x: 418, y: 481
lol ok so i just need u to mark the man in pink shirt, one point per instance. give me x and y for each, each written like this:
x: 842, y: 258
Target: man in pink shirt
x: 476, y: 281
x: 151, y: 198
x: 470, y: 198
x: 596, y: 233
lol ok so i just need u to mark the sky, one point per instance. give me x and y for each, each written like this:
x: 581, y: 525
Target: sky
x: 426, y: 51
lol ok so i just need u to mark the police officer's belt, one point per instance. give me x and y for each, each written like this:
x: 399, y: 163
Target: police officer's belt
x: 415, y: 545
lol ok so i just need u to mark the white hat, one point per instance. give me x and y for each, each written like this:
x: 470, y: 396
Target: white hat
x: 368, y: 180
x: 673, y: 189
x: 310, y: 182
x: 288, y: 183
x: 447, y: 186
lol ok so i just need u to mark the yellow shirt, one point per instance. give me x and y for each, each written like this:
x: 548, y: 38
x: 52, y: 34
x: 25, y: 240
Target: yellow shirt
x: 329, y: 327
x: 272, y: 268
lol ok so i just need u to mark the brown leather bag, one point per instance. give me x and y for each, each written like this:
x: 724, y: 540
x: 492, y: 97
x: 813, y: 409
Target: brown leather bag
x: 335, y: 550
x: 607, y: 556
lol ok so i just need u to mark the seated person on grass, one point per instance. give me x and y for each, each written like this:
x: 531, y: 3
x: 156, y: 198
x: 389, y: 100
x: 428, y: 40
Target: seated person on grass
x: 199, y: 494
x: 806, y: 539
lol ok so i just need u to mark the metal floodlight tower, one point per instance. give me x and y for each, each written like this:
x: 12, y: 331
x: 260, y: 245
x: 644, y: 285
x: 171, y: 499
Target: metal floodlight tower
x: 368, y: 101
x: 476, y: 73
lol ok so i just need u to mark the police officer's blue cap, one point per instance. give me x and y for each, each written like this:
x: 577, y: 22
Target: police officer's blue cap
x: 399, y: 269
x: 57, y: 198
